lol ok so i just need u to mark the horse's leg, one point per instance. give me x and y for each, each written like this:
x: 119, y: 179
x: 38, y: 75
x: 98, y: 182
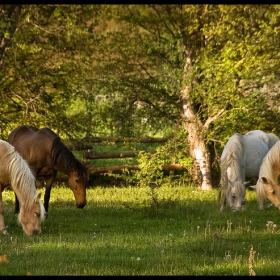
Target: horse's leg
x: 49, y: 182
x: 224, y: 204
x: 2, y: 223
x: 222, y: 198
x: 243, y: 204
x: 16, y: 205
x: 243, y: 199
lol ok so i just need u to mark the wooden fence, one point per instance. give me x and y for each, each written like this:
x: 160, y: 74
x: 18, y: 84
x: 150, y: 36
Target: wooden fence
x: 88, y: 154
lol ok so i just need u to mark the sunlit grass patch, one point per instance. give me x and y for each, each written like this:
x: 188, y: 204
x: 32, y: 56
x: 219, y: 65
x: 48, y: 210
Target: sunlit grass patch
x: 120, y: 232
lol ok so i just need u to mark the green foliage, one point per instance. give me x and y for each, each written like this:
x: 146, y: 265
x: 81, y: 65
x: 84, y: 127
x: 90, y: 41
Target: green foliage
x: 231, y: 72
x: 43, y: 65
x: 151, y: 175
x: 56, y: 60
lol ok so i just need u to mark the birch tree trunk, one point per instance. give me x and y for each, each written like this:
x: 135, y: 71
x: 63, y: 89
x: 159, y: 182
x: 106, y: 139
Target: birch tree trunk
x: 201, y: 171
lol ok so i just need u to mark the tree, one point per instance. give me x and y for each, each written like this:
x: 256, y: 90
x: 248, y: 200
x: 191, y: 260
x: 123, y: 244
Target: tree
x: 200, y: 62
x: 45, y: 54
x: 212, y: 69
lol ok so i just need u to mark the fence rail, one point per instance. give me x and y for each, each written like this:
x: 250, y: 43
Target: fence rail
x: 87, y: 154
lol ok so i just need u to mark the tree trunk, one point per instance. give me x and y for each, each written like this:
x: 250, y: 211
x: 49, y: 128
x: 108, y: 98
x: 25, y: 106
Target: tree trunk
x: 201, y: 171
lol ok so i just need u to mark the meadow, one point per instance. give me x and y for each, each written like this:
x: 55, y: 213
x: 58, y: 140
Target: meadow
x: 124, y: 231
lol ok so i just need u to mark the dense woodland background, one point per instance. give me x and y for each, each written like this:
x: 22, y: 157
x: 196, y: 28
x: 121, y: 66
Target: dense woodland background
x: 198, y: 73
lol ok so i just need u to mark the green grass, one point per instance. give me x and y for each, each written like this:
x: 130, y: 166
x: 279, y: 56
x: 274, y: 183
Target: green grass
x: 122, y: 232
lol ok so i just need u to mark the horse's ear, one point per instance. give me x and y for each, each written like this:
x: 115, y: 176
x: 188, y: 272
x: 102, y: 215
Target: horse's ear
x: 263, y: 180
x: 253, y: 187
x: 38, y: 195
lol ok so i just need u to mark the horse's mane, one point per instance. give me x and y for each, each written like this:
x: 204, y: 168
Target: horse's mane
x: 57, y: 147
x: 22, y: 179
x: 59, y: 151
x: 269, y: 162
x: 233, y: 158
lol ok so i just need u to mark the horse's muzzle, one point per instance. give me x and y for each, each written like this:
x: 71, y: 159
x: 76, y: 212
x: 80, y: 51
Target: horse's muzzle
x: 277, y: 206
x: 35, y: 232
x: 235, y: 209
x: 81, y: 205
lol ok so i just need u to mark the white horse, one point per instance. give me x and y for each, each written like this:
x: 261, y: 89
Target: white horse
x: 15, y: 171
x: 267, y: 186
x: 241, y: 159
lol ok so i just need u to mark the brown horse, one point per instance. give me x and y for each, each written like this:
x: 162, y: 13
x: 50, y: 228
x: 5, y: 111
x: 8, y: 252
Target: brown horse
x: 15, y: 171
x: 46, y: 154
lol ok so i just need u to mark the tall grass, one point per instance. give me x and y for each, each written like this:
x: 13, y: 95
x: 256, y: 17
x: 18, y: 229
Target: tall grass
x: 120, y: 233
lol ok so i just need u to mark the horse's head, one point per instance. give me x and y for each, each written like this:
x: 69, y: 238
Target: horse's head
x: 266, y: 189
x: 236, y: 196
x: 78, y: 182
x: 31, y: 219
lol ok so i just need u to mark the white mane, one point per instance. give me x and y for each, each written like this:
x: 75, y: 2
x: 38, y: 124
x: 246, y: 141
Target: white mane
x: 269, y: 170
x: 232, y: 156
x: 22, y: 179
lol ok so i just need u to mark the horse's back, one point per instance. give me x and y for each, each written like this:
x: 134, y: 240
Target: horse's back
x: 17, y: 133
x: 33, y: 144
x: 256, y: 150
x: 6, y: 151
x: 4, y: 147
x: 30, y: 134
x: 249, y: 149
x: 269, y: 138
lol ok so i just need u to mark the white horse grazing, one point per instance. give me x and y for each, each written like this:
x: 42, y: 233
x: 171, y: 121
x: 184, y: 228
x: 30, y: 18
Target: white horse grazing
x: 241, y: 158
x: 15, y: 171
x: 267, y: 186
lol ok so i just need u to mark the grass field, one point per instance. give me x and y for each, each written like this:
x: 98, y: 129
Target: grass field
x: 128, y: 231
